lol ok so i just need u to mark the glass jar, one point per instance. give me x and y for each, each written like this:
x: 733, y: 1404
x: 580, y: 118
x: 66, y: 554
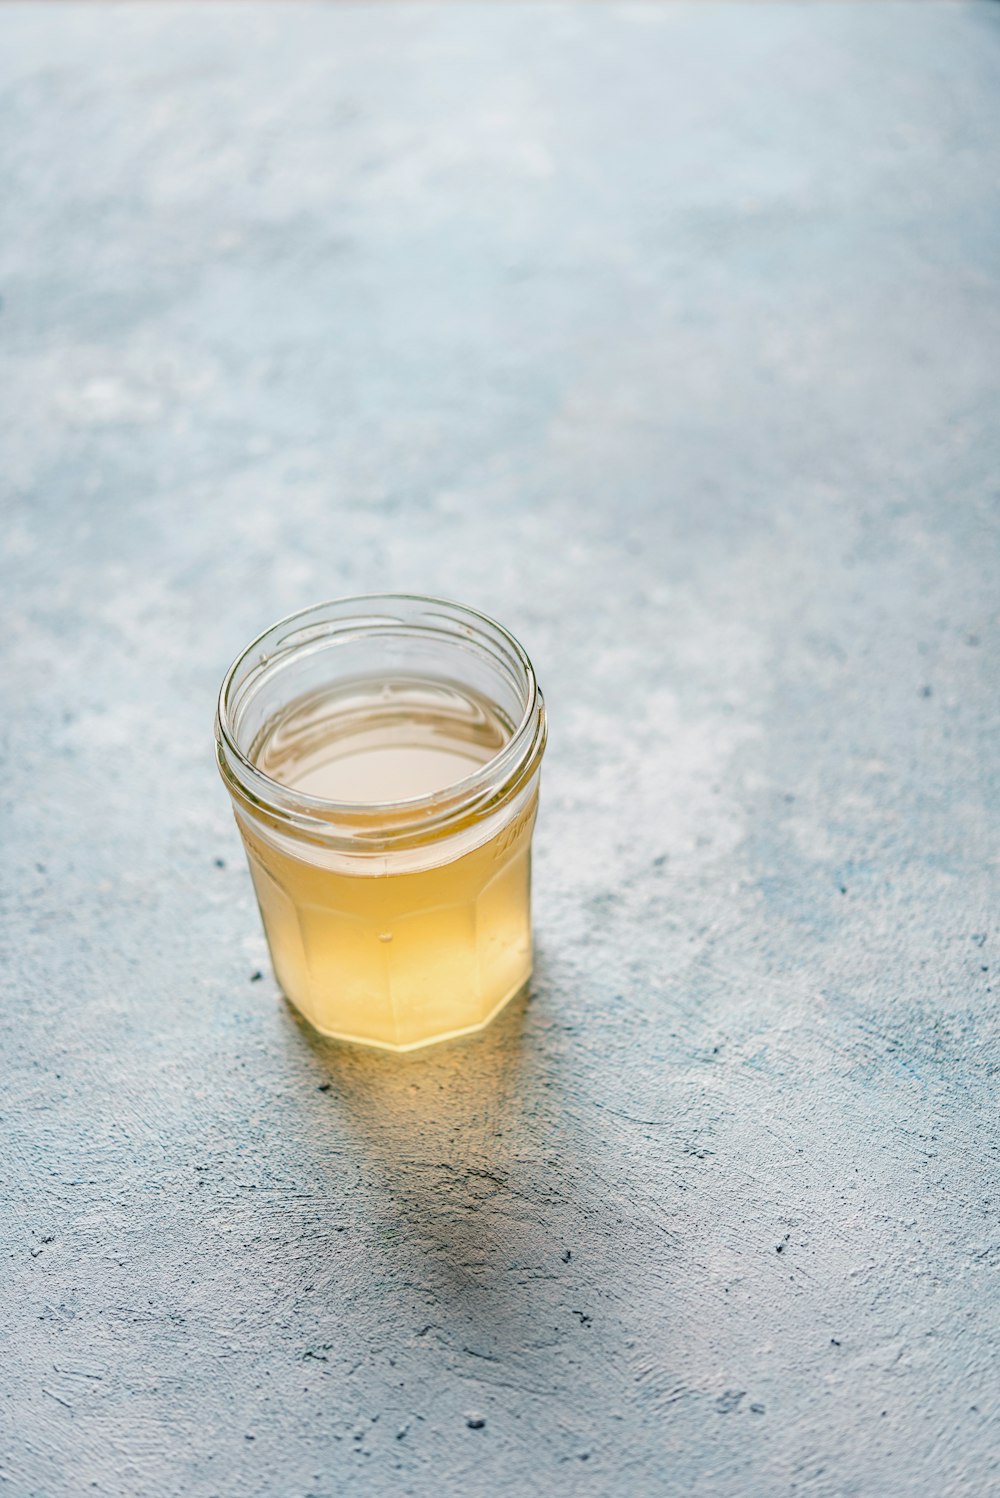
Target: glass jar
x: 383, y: 757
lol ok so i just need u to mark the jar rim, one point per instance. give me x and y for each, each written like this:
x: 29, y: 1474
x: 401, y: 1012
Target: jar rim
x: 413, y: 819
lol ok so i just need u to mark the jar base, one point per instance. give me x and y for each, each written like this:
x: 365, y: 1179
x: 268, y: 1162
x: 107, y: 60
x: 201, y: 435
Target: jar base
x: 412, y: 1045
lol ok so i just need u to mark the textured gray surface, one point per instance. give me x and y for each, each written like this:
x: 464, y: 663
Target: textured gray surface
x: 669, y: 336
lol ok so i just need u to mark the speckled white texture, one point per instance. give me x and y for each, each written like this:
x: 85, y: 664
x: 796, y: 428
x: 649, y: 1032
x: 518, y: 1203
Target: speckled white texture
x: 667, y: 334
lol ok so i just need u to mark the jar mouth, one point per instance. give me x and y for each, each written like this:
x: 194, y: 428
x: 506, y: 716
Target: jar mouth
x: 380, y: 617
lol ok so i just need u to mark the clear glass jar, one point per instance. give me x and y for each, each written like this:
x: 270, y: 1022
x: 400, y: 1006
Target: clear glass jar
x: 402, y: 918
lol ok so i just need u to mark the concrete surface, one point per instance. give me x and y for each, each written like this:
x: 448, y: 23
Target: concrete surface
x: 669, y: 336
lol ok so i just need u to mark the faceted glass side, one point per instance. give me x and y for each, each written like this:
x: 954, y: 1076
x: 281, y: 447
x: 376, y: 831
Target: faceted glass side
x: 399, y: 959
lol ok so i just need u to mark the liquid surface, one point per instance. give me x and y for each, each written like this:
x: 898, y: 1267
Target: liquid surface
x: 371, y: 949
x: 380, y: 742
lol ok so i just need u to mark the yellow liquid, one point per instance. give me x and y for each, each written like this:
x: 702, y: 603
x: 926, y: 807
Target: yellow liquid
x: 373, y: 949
